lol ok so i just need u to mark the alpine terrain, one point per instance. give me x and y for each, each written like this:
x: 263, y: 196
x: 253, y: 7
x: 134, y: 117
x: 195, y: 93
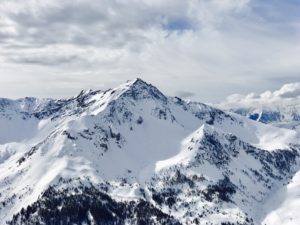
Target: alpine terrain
x: 280, y: 108
x: 131, y: 155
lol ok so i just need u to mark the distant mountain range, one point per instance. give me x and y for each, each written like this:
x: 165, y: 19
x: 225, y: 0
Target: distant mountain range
x: 131, y: 155
x: 280, y: 108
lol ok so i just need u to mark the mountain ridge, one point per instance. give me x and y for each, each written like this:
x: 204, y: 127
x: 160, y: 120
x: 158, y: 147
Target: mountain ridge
x: 133, y: 147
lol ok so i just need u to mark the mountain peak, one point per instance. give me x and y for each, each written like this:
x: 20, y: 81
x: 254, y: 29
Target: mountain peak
x: 139, y: 89
x: 138, y: 151
x: 138, y: 83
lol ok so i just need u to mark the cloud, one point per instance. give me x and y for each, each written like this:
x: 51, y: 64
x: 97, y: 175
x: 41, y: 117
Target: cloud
x: 47, y: 59
x: 109, y: 23
x: 288, y: 93
x: 209, y: 48
x: 185, y: 94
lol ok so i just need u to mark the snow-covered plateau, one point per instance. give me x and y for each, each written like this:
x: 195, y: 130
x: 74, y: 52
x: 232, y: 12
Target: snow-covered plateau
x: 131, y: 155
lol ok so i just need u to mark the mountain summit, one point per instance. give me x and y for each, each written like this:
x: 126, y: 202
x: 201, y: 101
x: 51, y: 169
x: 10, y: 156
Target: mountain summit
x: 131, y: 155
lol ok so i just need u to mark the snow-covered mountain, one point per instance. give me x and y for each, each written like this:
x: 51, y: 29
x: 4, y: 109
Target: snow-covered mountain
x: 280, y: 108
x: 131, y: 155
x: 280, y: 115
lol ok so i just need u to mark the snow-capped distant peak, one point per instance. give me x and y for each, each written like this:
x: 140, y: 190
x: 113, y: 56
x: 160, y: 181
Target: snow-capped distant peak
x: 280, y: 108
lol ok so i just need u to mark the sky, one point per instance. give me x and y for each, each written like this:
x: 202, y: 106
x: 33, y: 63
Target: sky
x: 203, y: 50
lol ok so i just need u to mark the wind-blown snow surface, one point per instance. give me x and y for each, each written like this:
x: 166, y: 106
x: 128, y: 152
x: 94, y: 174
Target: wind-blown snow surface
x: 131, y: 155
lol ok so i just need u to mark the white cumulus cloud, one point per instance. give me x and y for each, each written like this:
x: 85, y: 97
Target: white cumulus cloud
x: 288, y: 94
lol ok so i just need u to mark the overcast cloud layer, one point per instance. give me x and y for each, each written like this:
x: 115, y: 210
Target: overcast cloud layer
x: 198, y: 49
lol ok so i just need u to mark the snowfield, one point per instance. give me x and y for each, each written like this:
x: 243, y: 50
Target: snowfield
x: 284, y: 205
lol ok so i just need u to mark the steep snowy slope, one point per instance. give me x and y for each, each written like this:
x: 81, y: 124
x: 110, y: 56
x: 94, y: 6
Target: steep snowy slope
x: 280, y: 108
x: 131, y: 155
x: 284, y: 206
